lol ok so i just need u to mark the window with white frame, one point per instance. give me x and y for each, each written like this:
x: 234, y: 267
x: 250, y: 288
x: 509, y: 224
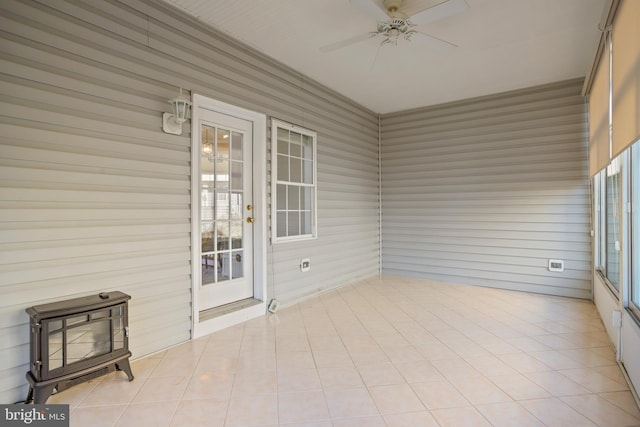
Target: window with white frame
x: 634, y: 300
x: 293, y: 182
x: 608, y: 184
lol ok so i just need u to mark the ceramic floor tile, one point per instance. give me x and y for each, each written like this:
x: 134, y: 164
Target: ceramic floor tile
x: 413, y: 419
x: 380, y: 374
x: 248, y: 383
x: 202, y: 412
x: 439, y: 395
x: 301, y: 407
x: 397, y: 398
x: 623, y: 400
x: 456, y: 368
x: 298, y: 380
x: 259, y: 410
x: 209, y: 385
x: 490, y: 366
x: 295, y: 360
x: 601, y: 411
x: 389, y: 352
x: 340, y: 378
x: 162, y: 389
x: 335, y: 358
x: 519, y: 387
x: 556, y: 383
x: 113, y: 392
x: 555, y: 413
x: 480, y: 391
x: 460, y: 417
x: 593, y: 381
x: 142, y: 368
x: 175, y: 367
x: 75, y: 395
x: 401, y: 354
x: 350, y: 403
x: 156, y: 414
x: 509, y: 414
x: 590, y: 357
x: 419, y: 371
x: 360, y: 422
x: 556, y: 360
x: 103, y: 416
x: 523, y: 362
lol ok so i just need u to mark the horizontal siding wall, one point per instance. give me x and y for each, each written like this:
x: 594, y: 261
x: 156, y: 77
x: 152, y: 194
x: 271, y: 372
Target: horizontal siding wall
x: 486, y: 191
x: 95, y: 197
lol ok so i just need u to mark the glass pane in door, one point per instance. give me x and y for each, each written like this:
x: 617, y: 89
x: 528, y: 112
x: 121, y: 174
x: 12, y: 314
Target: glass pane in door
x: 221, y: 210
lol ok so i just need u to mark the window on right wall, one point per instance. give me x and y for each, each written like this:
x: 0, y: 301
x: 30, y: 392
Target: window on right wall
x: 609, y: 200
x: 634, y: 303
x: 293, y: 179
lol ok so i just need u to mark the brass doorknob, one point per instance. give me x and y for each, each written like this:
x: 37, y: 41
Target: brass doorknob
x: 250, y: 220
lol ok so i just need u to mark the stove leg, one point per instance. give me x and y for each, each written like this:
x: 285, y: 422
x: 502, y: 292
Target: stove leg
x: 43, y: 393
x: 124, y: 365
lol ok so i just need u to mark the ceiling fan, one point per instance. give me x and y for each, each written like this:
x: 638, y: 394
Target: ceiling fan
x: 396, y: 21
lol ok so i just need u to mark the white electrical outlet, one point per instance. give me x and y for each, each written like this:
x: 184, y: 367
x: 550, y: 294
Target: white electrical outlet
x: 556, y: 265
x: 273, y: 305
x: 305, y: 265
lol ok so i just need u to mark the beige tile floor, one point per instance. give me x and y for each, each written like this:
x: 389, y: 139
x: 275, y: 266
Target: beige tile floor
x: 382, y: 352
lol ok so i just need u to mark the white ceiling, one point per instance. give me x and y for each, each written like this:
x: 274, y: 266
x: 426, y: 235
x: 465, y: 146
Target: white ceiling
x: 502, y: 45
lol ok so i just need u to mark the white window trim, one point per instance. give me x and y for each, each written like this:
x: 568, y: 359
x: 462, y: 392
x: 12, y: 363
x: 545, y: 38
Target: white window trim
x: 275, y: 124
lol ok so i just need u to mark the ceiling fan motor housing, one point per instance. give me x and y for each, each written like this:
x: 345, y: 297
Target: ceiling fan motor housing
x: 392, y: 6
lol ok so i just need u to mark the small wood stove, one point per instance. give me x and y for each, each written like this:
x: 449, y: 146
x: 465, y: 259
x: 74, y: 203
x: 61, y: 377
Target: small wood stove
x: 77, y: 340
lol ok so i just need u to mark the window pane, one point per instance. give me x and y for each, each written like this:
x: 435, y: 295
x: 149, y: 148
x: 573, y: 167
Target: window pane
x: 236, y: 175
x: 307, y: 147
x: 223, y: 266
x: 281, y: 220
x: 296, y: 170
x: 206, y: 203
x: 237, y: 259
x: 614, y: 216
x: 635, y: 224
x: 283, y: 168
x: 236, y: 234
x: 222, y: 174
x: 236, y: 206
x: 283, y: 141
x: 223, y: 144
x: 207, y: 237
x: 294, y: 198
x: 236, y: 146
x: 296, y: 144
x: 208, y: 269
x: 293, y: 227
x: 602, y: 218
x: 222, y: 205
x: 307, y: 172
x: 305, y: 223
x: 305, y: 198
x: 282, y: 197
x: 222, y: 235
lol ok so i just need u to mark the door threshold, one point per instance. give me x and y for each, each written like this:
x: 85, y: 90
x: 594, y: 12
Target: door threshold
x: 223, y: 310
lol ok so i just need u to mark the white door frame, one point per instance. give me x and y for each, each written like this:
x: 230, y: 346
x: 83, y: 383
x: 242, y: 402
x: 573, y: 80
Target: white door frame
x: 259, y: 216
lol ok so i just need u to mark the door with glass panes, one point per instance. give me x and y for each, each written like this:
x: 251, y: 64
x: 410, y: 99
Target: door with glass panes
x: 225, y: 211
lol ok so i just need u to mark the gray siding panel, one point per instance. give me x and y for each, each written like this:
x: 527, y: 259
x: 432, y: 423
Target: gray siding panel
x: 94, y: 196
x: 486, y: 191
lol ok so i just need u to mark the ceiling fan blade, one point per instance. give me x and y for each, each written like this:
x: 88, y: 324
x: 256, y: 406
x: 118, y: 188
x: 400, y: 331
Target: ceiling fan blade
x: 348, y: 42
x: 372, y: 8
x: 433, y: 41
x: 439, y: 11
